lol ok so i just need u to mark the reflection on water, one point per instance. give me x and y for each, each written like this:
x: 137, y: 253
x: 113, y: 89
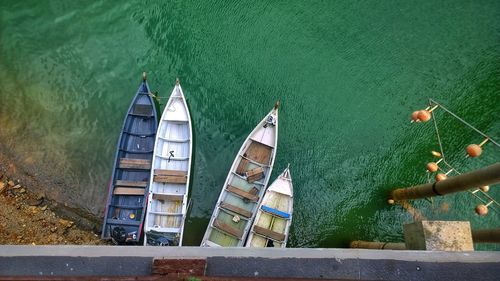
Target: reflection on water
x: 347, y: 75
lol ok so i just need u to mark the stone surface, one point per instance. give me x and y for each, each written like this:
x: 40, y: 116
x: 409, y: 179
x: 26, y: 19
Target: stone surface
x: 439, y: 236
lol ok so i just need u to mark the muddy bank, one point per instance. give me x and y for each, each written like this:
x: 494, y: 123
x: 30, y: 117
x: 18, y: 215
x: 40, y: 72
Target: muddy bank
x: 30, y: 215
x: 38, y: 184
x: 29, y: 218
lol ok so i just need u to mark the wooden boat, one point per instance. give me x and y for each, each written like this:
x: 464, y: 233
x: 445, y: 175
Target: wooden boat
x: 169, y: 183
x: 274, y: 216
x: 128, y: 188
x: 244, y: 186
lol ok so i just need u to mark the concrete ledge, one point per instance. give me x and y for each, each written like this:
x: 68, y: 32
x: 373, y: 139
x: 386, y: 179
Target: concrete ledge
x: 195, y: 252
x: 353, y: 264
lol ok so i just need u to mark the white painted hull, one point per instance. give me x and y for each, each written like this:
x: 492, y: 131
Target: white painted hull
x: 168, y: 200
x: 244, y: 187
x: 272, y: 223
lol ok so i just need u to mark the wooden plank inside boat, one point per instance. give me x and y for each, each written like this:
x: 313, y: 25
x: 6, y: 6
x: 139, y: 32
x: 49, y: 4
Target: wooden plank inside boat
x: 161, y: 172
x: 170, y: 179
x: 259, y: 152
x: 242, y: 193
x: 131, y: 183
x: 128, y: 191
x: 242, y: 167
x: 169, y: 176
x: 269, y: 233
x: 255, y: 174
x: 167, y: 197
x: 141, y: 164
x: 236, y: 209
x: 228, y: 229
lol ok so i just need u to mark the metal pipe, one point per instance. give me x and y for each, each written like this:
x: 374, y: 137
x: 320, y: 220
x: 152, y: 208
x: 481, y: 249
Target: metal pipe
x: 485, y: 176
x: 486, y: 235
x: 377, y: 245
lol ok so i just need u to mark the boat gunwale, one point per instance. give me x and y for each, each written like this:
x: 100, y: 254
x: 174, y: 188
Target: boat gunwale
x: 184, y: 208
x: 232, y: 170
x: 111, y: 186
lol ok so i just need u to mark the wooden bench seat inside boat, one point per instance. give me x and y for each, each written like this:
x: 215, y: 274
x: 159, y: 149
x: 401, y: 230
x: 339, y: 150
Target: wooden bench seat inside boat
x: 242, y: 167
x: 259, y: 153
x: 269, y: 233
x: 242, y: 193
x: 128, y: 163
x: 255, y: 174
x: 167, y: 197
x: 169, y: 176
x: 238, y: 210
x: 128, y: 191
x: 228, y: 229
x: 131, y: 183
x: 275, y: 212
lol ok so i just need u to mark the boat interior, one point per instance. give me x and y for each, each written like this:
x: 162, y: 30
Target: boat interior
x: 132, y: 170
x: 171, y: 165
x: 272, y: 221
x: 241, y: 195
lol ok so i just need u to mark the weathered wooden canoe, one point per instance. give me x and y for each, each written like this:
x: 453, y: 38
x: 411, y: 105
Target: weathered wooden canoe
x: 169, y: 183
x: 128, y: 189
x: 274, y: 216
x: 244, y: 186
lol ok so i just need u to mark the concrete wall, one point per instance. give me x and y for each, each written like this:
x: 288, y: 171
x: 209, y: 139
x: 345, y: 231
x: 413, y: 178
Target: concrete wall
x: 354, y: 264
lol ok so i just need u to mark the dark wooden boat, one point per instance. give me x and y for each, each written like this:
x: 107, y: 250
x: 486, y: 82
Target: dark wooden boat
x: 128, y: 189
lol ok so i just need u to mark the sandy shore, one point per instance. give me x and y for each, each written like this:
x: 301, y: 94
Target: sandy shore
x: 28, y: 218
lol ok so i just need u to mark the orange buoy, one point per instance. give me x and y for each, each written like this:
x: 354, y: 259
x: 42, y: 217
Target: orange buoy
x: 440, y: 177
x: 414, y: 116
x: 481, y: 210
x: 485, y: 188
x: 424, y: 115
x: 474, y: 150
x: 432, y: 167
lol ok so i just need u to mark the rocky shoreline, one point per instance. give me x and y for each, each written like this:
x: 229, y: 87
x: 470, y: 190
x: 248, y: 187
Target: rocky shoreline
x: 30, y: 218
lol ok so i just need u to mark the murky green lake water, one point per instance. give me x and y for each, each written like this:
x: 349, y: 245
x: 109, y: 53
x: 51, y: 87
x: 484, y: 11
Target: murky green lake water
x: 348, y: 74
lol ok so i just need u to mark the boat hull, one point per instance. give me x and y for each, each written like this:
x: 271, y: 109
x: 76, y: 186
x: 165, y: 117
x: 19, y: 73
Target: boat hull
x: 169, y: 182
x: 244, y: 186
x: 274, y: 216
x: 128, y: 188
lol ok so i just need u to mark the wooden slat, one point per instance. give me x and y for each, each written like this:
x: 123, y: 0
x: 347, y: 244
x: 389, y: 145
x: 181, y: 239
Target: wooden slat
x: 269, y: 233
x: 242, y: 167
x: 166, y: 197
x: 255, y: 174
x: 127, y: 163
x: 128, y: 191
x: 131, y: 183
x: 242, y: 193
x: 259, y: 153
x: 236, y: 209
x: 162, y: 172
x: 229, y: 229
x: 169, y: 179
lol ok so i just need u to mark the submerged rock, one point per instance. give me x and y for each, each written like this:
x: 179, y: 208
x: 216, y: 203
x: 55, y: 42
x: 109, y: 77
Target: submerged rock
x: 34, y: 202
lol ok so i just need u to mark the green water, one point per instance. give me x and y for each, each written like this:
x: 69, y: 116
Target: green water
x: 348, y: 74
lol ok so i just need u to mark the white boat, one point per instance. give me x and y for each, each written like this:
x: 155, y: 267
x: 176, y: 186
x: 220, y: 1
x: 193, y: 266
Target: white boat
x: 169, y: 181
x: 274, y: 216
x: 244, y: 186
